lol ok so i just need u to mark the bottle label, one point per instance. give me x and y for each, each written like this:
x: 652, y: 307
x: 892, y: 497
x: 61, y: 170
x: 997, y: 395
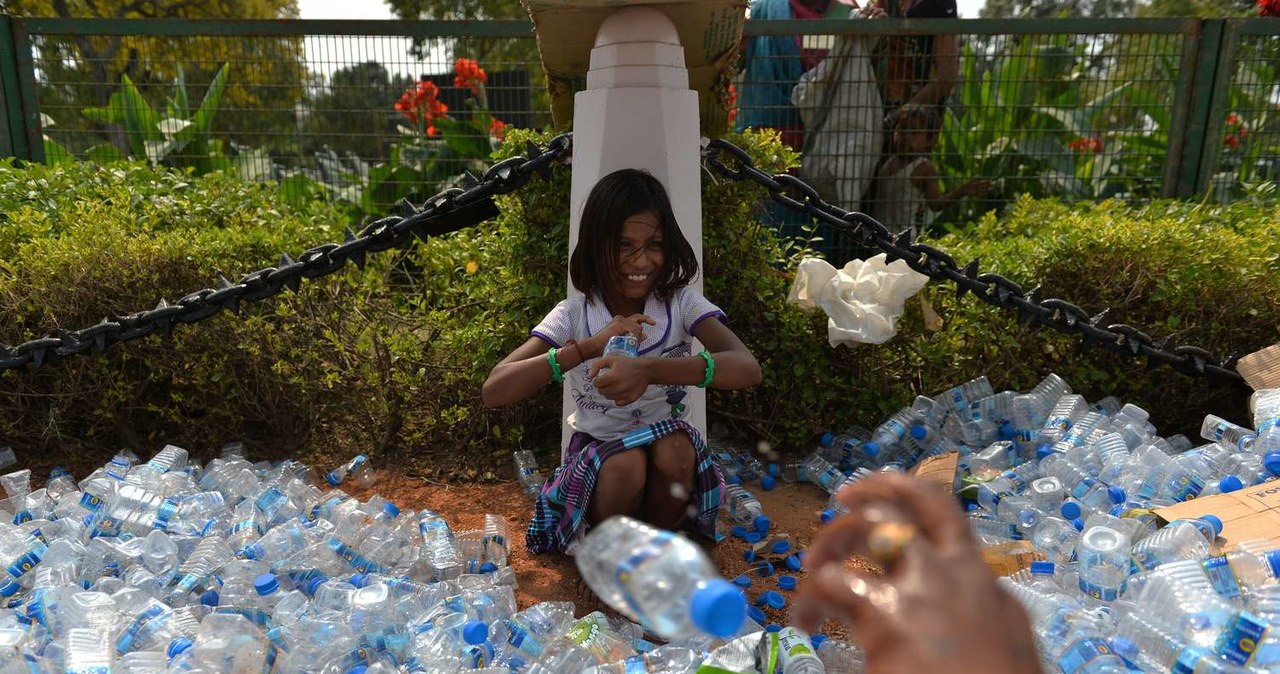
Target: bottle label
x: 124, y: 643
x: 23, y: 564
x: 89, y: 669
x: 1192, y: 660
x: 1241, y: 637
x: 638, y: 558
x: 1268, y: 424
x: 353, y: 559
x: 524, y: 640
x: 1083, y: 488
x: 269, y: 499
x: 1099, y: 592
x: 1061, y: 423
x: 636, y: 664
x: 167, y: 508
x: 1222, y: 576
x: 1187, y: 487
x: 1084, y: 653
x: 1015, y: 479
x: 90, y: 501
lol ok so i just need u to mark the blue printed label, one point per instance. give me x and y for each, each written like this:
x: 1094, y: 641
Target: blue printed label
x: 635, y: 665
x: 1099, y: 592
x: 628, y: 566
x: 1241, y: 637
x: 1190, y: 661
x: 23, y: 564
x: 167, y: 509
x: 267, y: 499
x: 353, y: 558
x: 124, y: 644
x: 1082, y: 489
x: 1222, y: 576
x: 1085, y: 652
x: 90, y: 502
x: 1187, y: 487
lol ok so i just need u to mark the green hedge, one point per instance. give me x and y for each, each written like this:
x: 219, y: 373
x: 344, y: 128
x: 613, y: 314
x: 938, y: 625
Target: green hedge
x: 390, y: 361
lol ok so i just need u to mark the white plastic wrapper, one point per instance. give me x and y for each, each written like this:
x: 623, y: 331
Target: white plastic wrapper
x: 863, y: 300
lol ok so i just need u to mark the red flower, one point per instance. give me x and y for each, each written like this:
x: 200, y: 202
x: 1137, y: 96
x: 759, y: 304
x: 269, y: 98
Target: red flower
x: 1233, y: 119
x: 1083, y: 145
x: 498, y: 129
x: 422, y: 104
x: 1269, y: 7
x: 468, y: 75
x: 732, y: 105
x: 1232, y: 141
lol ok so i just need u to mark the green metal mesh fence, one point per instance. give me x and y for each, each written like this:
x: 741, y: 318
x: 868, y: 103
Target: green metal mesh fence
x: 1248, y: 145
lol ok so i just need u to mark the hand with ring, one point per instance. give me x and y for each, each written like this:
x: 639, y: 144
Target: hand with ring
x: 936, y: 609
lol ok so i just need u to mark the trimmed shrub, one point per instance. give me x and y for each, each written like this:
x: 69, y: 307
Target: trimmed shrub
x: 390, y: 360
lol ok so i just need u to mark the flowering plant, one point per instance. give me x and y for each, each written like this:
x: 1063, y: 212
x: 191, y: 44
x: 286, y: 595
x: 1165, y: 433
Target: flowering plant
x: 1237, y: 130
x: 1269, y: 7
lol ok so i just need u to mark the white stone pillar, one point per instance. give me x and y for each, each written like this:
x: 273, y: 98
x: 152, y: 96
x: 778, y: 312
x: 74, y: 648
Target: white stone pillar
x: 638, y: 112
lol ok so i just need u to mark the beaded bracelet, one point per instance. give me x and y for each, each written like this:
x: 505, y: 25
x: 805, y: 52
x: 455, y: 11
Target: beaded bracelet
x: 711, y: 369
x: 556, y: 375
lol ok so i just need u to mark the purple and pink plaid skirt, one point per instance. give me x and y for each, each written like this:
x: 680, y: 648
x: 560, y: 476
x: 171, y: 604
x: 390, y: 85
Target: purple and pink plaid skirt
x: 560, y: 511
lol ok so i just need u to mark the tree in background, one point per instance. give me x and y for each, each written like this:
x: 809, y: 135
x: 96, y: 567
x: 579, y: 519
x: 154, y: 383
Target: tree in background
x: 82, y: 71
x: 349, y: 112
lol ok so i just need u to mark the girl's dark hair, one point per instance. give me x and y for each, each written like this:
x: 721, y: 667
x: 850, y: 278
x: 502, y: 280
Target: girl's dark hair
x: 916, y: 117
x: 618, y: 196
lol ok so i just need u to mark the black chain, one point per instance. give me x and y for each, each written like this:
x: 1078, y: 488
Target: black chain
x: 990, y: 288
x: 448, y: 211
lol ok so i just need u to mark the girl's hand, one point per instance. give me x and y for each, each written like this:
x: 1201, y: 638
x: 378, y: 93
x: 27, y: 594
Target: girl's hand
x: 624, y: 381
x: 934, y: 608
x: 594, y: 345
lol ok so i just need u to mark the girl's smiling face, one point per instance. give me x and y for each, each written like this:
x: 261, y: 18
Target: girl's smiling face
x: 640, y: 257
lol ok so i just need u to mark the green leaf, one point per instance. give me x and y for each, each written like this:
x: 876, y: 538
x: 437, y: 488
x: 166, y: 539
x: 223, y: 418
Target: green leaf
x: 139, y: 120
x: 55, y: 153
x: 104, y: 154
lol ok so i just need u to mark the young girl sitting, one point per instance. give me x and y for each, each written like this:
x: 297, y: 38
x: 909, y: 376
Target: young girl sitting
x: 907, y: 181
x: 631, y: 451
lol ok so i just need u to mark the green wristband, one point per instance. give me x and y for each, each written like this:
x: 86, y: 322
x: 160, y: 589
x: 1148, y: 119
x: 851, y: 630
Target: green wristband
x: 711, y: 369
x: 556, y: 375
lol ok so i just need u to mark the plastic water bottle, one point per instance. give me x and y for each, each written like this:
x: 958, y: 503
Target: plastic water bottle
x: 1217, y: 429
x: 1104, y: 562
x: 1265, y: 407
x: 822, y: 473
x: 661, y: 660
x: 1181, y: 539
x: 659, y: 579
x: 531, y: 478
x: 1242, y: 570
x: 840, y: 657
x: 357, y: 469
x: 888, y: 435
x: 530, y: 630
x: 796, y: 654
x: 740, y: 505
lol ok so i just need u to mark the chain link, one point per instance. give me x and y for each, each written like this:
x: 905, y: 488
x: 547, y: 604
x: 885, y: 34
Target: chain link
x: 448, y: 211
x: 734, y: 163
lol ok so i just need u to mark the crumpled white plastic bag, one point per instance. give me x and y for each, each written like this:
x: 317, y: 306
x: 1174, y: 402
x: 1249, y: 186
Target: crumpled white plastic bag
x: 863, y: 300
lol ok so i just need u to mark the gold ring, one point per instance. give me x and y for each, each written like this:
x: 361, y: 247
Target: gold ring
x: 886, y: 541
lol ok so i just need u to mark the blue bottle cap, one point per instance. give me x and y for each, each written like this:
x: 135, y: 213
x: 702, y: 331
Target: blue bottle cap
x: 1214, y: 522
x: 314, y: 584
x: 755, y: 614
x: 391, y: 509
x: 1229, y: 484
x: 1077, y: 523
x: 753, y: 537
x: 266, y: 584
x: 748, y: 555
x: 793, y: 563
x: 1272, y: 461
x: 774, y: 600
x: 739, y: 531
x: 826, y: 515
x: 762, y: 523
x: 1116, y: 494
x: 765, y: 568
x: 9, y: 589
x: 1006, y: 431
x: 359, y: 579
x: 775, y: 470
x: 1043, y: 449
x: 767, y: 483
x: 827, y: 439
x: 918, y: 431
x: 781, y: 547
x: 1118, y: 510
x: 253, y: 551
x: 332, y: 479
x: 718, y: 608
x: 1042, y: 568
x: 734, y: 479
x: 475, y: 632
x: 816, y: 639
x: 358, y: 669
x: 177, y: 646
x: 209, y: 598
x: 773, y: 627
x: 488, y: 567
x: 1071, y: 510
x: 787, y: 583
x: 1273, y: 559
x: 742, y: 581
x: 872, y: 449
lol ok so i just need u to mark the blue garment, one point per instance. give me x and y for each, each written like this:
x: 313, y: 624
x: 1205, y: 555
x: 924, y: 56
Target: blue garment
x: 771, y: 69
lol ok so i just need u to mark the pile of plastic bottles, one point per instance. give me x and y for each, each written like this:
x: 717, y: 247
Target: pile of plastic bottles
x: 167, y: 566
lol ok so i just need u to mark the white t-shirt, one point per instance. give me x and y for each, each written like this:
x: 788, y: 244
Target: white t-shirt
x: 672, y: 337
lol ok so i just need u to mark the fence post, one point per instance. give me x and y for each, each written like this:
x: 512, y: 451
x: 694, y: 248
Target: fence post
x: 21, y: 133
x: 1219, y: 101
x: 1178, y: 150
x: 1201, y: 104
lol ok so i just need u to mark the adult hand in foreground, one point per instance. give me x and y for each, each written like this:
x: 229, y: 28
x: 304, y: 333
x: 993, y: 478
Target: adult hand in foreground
x: 936, y: 609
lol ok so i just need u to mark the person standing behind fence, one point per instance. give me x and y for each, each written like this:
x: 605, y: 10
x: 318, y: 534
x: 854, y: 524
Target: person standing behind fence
x: 907, y: 180
x: 632, y: 452
x: 915, y: 69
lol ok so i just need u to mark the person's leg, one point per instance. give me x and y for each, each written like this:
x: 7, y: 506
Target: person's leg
x: 670, y: 480
x: 620, y: 486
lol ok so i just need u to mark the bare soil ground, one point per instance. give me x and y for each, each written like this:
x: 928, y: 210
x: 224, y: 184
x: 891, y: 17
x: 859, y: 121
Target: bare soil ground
x: 793, y: 508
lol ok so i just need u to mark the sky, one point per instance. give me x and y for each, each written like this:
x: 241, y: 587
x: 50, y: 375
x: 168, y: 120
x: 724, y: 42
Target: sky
x: 374, y: 9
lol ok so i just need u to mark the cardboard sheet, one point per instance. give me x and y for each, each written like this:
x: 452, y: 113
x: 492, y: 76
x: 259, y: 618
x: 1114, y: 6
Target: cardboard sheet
x: 1252, y: 513
x: 941, y: 470
x: 710, y: 31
